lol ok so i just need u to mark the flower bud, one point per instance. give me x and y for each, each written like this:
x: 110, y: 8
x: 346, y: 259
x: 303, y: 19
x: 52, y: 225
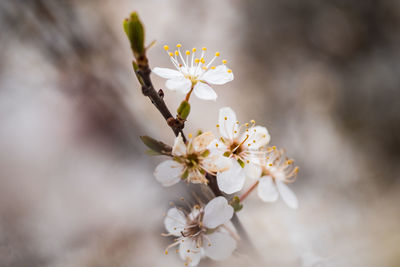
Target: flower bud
x: 135, y: 32
x: 235, y: 203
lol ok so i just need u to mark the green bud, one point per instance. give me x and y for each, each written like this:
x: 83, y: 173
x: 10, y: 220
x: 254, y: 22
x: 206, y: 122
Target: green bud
x: 241, y: 163
x: 184, y: 110
x: 235, y: 203
x: 134, y: 30
x: 158, y: 147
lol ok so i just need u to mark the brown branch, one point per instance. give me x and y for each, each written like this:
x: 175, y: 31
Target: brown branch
x: 143, y: 72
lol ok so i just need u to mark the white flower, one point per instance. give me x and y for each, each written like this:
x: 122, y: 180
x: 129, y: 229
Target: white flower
x: 202, y: 232
x: 242, y: 144
x: 276, y: 172
x: 193, y: 74
x: 191, y: 161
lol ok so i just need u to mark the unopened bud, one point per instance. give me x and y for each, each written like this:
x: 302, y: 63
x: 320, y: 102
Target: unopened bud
x: 135, y: 32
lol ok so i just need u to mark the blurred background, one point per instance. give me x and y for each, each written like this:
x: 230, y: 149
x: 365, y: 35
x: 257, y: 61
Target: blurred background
x: 76, y: 188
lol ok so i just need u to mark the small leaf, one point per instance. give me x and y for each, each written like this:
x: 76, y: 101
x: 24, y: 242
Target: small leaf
x: 184, y: 110
x: 157, y: 147
x: 235, y: 203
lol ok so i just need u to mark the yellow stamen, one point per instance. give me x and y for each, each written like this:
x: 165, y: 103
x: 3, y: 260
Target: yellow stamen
x: 229, y: 71
x: 202, y: 60
x: 217, y: 54
x: 170, y: 54
x: 176, y: 52
x: 190, y: 135
x: 178, y: 45
x: 224, y: 61
x: 166, y: 47
x: 225, y: 118
x: 196, y: 60
x: 213, y: 67
x: 204, y: 48
x: 217, y: 125
x: 194, y: 49
x: 187, y: 52
x: 253, y: 121
x: 204, y: 68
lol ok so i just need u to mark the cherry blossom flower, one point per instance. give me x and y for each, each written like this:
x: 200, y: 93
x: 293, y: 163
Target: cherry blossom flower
x: 275, y: 172
x: 242, y: 144
x: 194, y: 74
x: 191, y: 161
x: 202, y: 232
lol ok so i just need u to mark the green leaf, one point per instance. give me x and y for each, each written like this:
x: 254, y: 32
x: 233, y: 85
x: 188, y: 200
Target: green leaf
x: 157, y: 147
x: 235, y: 203
x: 184, y: 110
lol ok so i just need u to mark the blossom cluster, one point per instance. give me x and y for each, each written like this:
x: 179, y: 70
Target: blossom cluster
x: 238, y: 152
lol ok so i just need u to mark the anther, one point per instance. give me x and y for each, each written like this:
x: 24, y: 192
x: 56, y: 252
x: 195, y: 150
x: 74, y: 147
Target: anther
x: 188, y: 250
x: 176, y: 52
x: 254, y: 141
x: 166, y: 47
x: 194, y: 49
x: 170, y: 54
x: 196, y: 60
x: 166, y: 252
x: 247, y: 124
x: 229, y: 71
x: 217, y: 54
x: 225, y: 118
x: 204, y: 48
x: 274, y: 147
x: 213, y: 67
x: 202, y: 60
x: 190, y: 135
x: 178, y: 45
x: 253, y: 121
x: 224, y: 61
x: 204, y: 68
x: 217, y: 125
x: 187, y: 52
x: 270, y: 164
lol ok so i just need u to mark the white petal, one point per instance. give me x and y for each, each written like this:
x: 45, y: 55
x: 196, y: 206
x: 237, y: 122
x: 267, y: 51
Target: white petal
x: 202, y: 141
x: 258, y: 137
x: 227, y: 123
x: 217, y: 212
x: 179, y: 148
x: 168, y: 172
x: 175, y: 221
x: 219, y: 246
x: 167, y: 73
x: 204, y: 91
x: 219, y: 75
x: 253, y: 171
x: 182, y: 85
x: 267, y: 189
x: 216, y: 162
x: 232, y: 180
x: 287, y: 195
x: 189, y: 252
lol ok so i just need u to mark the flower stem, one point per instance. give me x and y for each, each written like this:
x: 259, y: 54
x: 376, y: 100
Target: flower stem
x: 188, y: 94
x: 245, y: 194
